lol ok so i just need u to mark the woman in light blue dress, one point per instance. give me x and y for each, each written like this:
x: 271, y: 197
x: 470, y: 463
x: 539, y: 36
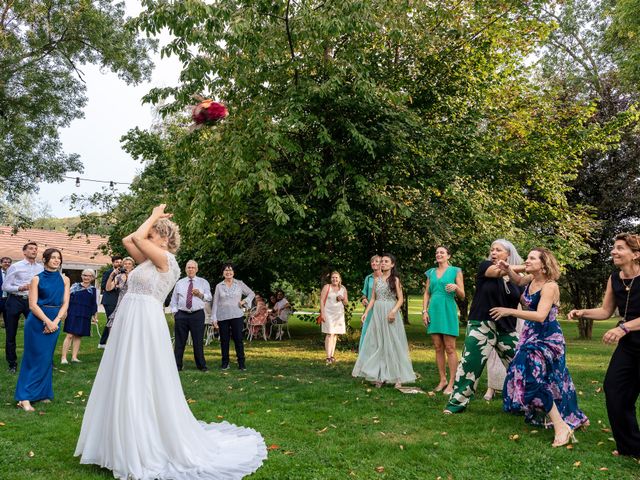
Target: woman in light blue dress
x: 48, y: 302
x: 384, y: 357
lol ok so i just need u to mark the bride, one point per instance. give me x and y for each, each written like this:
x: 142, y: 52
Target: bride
x: 137, y: 422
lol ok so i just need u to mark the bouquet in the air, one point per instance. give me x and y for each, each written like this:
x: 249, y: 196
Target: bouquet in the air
x: 208, y: 112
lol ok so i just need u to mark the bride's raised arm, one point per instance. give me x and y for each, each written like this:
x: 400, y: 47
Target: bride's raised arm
x: 145, y: 243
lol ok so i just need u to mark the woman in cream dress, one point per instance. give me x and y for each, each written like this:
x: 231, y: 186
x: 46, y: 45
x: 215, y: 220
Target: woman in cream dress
x: 332, y: 302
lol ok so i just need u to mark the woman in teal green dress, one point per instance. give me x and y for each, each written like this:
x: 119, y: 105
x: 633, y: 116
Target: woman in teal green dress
x: 440, y: 315
x: 367, y: 290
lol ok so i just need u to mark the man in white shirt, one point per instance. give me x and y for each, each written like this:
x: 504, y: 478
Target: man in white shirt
x: 5, y: 263
x: 16, y: 285
x: 187, y: 305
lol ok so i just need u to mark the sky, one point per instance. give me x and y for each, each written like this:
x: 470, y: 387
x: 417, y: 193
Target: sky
x: 113, y: 107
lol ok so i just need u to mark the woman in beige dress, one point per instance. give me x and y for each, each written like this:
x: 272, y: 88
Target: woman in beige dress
x: 333, y: 299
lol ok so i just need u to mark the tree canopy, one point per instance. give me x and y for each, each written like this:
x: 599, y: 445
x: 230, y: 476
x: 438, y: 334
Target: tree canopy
x: 43, y: 46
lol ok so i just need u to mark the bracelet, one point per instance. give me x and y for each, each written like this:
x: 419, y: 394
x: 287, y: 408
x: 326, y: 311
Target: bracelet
x: 623, y: 328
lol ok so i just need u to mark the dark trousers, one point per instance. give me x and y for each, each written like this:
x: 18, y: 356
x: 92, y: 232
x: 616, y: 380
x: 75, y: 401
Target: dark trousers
x: 108, y: 310
x: 186, y: 322
x: 231, y: 328
x: 621, y: 388
x: 13, y: 308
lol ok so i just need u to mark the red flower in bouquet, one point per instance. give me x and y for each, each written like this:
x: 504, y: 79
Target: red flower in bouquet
x: 209, y: 112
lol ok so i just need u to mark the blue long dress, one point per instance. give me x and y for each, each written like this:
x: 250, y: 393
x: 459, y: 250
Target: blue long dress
x: 35, y: 381
x: 538, y: 376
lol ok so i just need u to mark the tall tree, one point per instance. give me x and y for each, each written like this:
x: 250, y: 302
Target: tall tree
x: 43, y: 46
x: 358, y: 127
x: 579, y: 61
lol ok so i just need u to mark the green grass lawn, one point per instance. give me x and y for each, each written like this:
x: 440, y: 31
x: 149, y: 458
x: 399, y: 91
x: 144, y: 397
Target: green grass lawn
x: 321, y: 423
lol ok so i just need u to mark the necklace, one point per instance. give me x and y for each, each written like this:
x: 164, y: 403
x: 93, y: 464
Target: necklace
x: 628, y: 287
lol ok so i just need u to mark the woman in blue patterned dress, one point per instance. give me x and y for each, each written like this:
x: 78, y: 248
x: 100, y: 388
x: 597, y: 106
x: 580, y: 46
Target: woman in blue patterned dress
x: 538, y: 382
x: 83, y: 306
x: 48, y: 301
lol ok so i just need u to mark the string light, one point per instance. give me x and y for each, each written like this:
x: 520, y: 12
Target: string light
x: 111, y: 183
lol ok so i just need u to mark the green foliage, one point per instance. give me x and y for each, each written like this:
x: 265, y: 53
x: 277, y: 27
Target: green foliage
x: 361, y: 127
x: 623, y: 39
x: 43, y: 45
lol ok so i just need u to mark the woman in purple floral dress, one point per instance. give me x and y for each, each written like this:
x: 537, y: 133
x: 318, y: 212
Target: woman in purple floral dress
x: 538, y: 382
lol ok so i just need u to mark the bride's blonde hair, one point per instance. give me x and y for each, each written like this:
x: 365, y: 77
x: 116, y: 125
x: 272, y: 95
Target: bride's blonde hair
x: 170, y: 231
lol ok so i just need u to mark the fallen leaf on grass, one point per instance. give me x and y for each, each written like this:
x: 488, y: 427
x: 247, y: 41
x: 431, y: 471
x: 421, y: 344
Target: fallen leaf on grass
x: 268, y: 411
x: 70, y: 403
x: 219, y: 417
x: 533, y: 431
x: 600, y: 443
x: 31, y: 454
x: 273, y: 447
x: 2, y: 424
x: 323, y: 430
x: 333, y: 426
x: 577, y: 464
x: 279, y: 376
x: 598, y: 390
x: 376, y: 421
x: 443, y: 433
x: 190, y: 400
x: 383, y: 434
x: 380, y: 469
x: 431, y: 394
x: 570, y: 447
x: 288, y: 452
x: 436, y: 443
x: 42, y: 413
x: 605, y: 430
x: 594, y: 382
x: 580, y: 392
x: 603, y: 469
x: 401, y: 447
x: 79, y: 394
x: 515, y: 437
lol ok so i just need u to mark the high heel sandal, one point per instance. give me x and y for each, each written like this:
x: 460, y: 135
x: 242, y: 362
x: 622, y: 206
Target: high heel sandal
x: 488, y: 396
x: 440, y: 387
x: 25, y: 407
x: 447, y: 391
x: 570, y: 438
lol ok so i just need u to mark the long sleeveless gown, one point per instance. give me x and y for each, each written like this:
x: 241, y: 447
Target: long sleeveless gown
x: 137, y: 422
x: 538, y: 376
x: 35, y: 381
x: 384, y: 356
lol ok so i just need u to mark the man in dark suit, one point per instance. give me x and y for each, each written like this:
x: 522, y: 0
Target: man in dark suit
x: 5, y: 263
x: 109, y: 299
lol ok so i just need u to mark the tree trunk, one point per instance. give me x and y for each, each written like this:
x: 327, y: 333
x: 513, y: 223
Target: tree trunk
x: 405, y: 311
x: 585, y: 328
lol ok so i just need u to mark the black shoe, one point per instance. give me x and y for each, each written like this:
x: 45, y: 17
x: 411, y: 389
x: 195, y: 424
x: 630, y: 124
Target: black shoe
x: 242, y: 367
x: 224, y: 367
x: 204, y: 369
x: 12, y: 369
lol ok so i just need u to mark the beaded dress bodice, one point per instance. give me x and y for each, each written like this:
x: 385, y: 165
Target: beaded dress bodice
x: 383, y: 293
x: 147, y: 280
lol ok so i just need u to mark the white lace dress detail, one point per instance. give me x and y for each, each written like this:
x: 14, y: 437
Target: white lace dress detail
x: 137, y: 422
x: 147, y: 280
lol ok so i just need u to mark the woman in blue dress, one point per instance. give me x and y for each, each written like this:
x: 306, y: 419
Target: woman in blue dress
x: 83, y: 306
x: 48, y: 302
x: 538, y: 382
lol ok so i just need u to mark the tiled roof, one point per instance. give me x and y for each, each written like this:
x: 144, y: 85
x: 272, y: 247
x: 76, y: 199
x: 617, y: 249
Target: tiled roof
x: 81, y: 250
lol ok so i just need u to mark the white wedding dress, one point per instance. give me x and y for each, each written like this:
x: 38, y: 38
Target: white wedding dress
x: 137, y: 422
